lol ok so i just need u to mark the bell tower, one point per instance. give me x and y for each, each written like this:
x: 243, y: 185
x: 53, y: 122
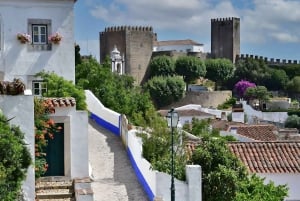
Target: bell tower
x: 117, y: 61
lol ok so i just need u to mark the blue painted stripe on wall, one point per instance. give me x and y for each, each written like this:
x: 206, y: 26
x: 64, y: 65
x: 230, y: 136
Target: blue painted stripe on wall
x: 114, y: 129
x: 140, y: 176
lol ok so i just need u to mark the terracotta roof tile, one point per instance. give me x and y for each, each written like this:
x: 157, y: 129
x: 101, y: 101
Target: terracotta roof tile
x: 61, y: 102
x: 258, y: 132
x: 268, y: 157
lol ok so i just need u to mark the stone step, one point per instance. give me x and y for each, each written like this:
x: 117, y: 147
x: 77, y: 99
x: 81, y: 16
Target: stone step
x: 62, y: 199
x: 54, y: 185
x: 54, y: 189
x: 54, y: 194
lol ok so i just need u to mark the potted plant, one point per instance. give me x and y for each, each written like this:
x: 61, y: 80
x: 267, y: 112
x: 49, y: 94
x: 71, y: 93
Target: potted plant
x: 55, y: 38
x: 24, y: 38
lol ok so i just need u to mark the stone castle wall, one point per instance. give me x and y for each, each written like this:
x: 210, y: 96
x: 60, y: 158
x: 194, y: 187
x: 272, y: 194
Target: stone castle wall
x: 225, y: 38
x: 136, y: 43
x: 205, y: 98
x: 267, y: 60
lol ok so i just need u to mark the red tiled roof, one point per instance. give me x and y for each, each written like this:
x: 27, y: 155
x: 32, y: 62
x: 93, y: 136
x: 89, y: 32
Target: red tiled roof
x: 176, y: 42
x: 268, y: 157
x: 61, y: 102
x: 258, y: 132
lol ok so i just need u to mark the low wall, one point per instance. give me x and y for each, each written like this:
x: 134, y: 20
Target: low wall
x: 155, y: 184
x: 105, y: 117
x: 205, y: 98
x: 252, y: 114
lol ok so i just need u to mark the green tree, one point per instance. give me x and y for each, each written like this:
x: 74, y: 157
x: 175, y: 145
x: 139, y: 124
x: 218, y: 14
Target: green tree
x: 190, y: 68
x: 278, y: 80
x: 165, y: 90
x: 259, y: 92
x: 162, y: 66
x: 293, y: 85
x: 116, y: 92
x: 14, y: 160
x: 219, y: 70
x: 57, y: 86
x: 252, y: 70
x: 157, y: 148
x: 292, y: 121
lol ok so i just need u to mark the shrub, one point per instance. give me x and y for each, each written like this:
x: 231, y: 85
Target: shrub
x: 14, y: 160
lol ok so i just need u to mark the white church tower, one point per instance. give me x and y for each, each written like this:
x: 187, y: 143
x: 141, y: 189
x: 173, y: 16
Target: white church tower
x: 117, y: 62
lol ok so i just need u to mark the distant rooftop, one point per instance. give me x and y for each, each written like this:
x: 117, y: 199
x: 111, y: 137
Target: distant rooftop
x: 268, y: 157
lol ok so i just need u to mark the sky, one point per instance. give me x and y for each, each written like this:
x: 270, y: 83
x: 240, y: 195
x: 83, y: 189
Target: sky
x: 269, y: 28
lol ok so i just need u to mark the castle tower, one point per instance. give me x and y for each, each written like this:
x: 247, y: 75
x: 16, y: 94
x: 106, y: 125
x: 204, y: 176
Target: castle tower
x: 225, y: 38
x: 117, y: 62
x: 135, y: 42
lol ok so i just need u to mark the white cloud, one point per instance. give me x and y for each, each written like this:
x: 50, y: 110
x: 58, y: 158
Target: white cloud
x: 263, y: 21
x: 285, y: 37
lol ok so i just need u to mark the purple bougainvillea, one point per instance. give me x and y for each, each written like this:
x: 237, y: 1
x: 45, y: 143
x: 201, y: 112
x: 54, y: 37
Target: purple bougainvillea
x: 241, y: 87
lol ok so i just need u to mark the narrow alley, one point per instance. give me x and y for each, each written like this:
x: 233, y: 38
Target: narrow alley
x: 112, y: 174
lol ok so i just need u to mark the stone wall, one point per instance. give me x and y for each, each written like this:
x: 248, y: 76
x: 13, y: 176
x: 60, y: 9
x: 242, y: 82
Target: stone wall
x: 205, y: 98
x: 136, y: 43
x: 225, y: 38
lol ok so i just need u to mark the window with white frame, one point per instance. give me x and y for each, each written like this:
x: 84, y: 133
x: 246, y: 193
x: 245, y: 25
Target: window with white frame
x: 39, y: 30
x: 39, y: 87
x: 39, y: 34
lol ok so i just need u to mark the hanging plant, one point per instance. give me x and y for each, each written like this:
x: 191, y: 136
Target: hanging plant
x: 55, y: 38
x: 24, y: 38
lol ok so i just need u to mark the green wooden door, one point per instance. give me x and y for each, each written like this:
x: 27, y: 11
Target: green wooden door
x: 55, y: 153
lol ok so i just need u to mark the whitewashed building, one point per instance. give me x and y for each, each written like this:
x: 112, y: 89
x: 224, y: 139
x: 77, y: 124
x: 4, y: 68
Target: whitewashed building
x: 276, y: 161
x: 26, y: 46
x: 178, y: 46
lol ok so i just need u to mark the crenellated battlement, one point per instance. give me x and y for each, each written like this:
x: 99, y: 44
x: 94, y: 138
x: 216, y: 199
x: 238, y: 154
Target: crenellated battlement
x: 227, y: 19
x: 128, y: 28
x: 267, y: 60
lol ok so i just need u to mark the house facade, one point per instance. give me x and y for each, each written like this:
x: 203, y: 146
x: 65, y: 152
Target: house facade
x: 36, y: 36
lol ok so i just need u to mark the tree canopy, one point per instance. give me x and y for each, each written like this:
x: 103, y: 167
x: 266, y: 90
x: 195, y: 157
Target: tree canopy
x: 219, y: 70
x: 57, y: 86
x: 165, y: 90
x: 15, y: 158
x: 116, y: 92
x: 162, y: 66
x: 190, y: 68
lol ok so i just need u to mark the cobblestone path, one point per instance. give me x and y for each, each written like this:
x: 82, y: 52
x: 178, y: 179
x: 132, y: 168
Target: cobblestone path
x: 113, y: 175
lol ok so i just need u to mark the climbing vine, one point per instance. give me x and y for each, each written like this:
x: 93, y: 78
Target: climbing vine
x: 44, y: 130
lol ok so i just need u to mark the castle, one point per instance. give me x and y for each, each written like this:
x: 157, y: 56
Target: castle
x: 139, y: 44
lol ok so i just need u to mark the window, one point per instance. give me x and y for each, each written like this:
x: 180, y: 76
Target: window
x: 39, y: 34
x: 39, y: 87
x: 39, y: 29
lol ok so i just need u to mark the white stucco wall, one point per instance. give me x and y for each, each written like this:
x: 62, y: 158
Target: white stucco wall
x: 17, y: 59
x: 238, y: 117
x: 75, y: 140
x: 95, y: 106
x: 79, y: 145
x: 160, y: 182
x: 22, y: 109
x: 279, y: 117
x: 180, y: 48
x: 292, y: 180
